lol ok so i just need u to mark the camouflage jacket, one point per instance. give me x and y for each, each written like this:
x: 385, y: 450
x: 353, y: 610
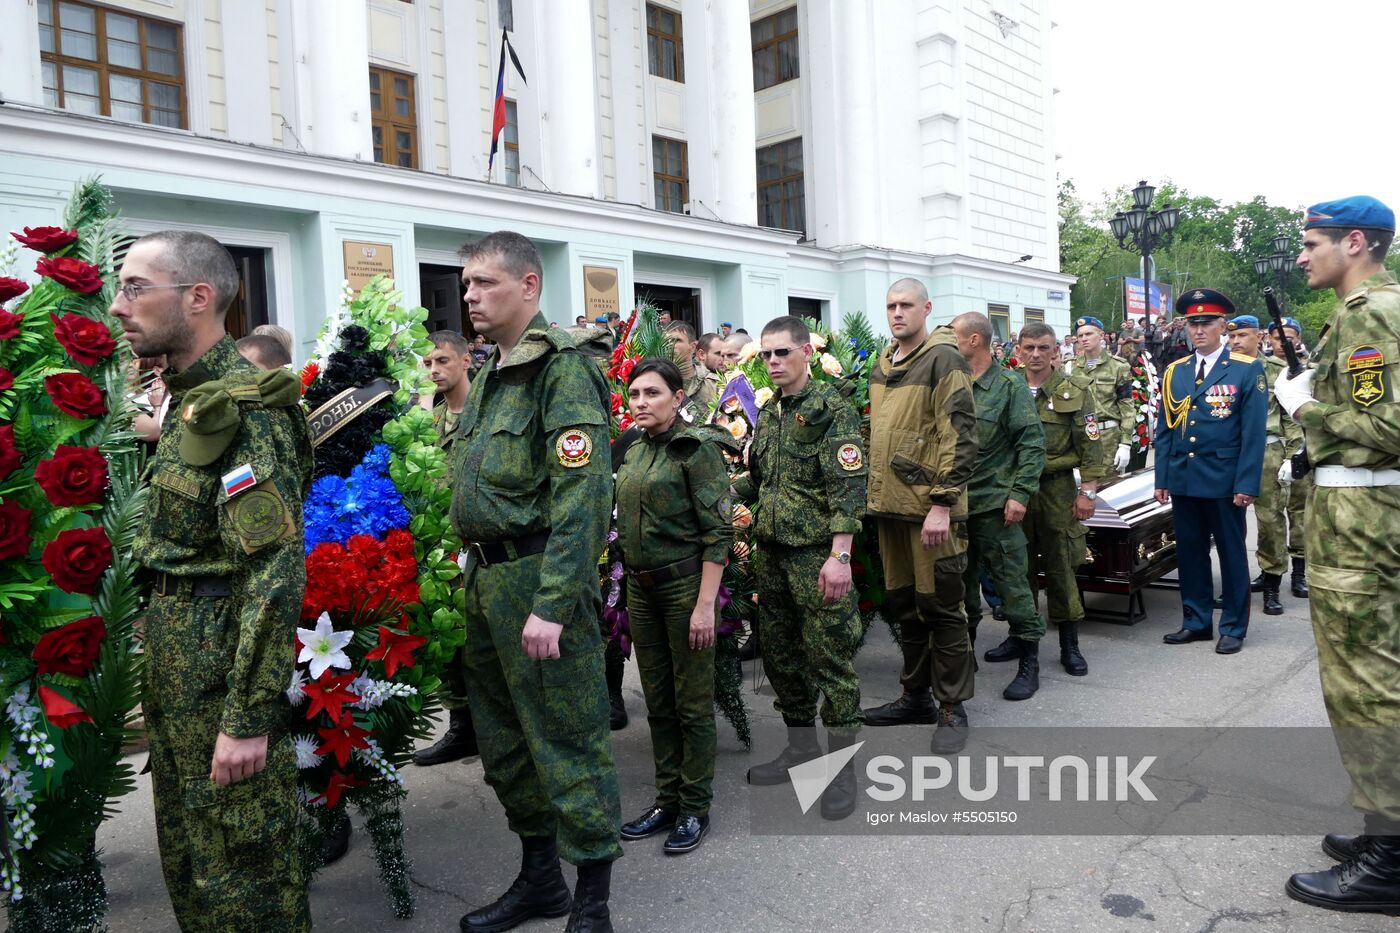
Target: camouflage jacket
x: 1110, y: 383
x: 1072, y: 437
x: 701, y: 388
x: 673, y: 500
x: 806, y: 468
x: 1010, y: 441
x: 1279, y: 424
x: 531, y: 454
x: 446, y: 424
x: 192, y: 527
x: 1355, y: 421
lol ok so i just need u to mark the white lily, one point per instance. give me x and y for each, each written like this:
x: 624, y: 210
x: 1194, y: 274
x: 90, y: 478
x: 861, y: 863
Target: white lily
x: 323, y: 647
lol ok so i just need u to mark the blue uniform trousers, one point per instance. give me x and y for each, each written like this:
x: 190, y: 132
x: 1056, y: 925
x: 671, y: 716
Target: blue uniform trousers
x: 1198, y: 520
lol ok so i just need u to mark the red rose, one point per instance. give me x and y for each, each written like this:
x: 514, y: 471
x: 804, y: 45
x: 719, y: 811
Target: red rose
x: 10, y: 457
x: 46, y: 239
x: 11, y: 288
x: 61, y: 711
x: 81, y: 277
x: 77, y: 558
x: 9, y: 324
x: 7, y: 379
x: 14, y: 530
x: 86, y: 340
x: 73, y: 475
x: 75, y: 394
x: 71, y: 649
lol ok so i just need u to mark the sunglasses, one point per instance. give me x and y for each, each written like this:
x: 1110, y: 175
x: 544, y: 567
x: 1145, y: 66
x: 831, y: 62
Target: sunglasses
x: 781, y: 353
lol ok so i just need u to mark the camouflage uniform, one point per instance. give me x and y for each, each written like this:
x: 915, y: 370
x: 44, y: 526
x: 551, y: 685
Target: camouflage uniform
x: 701, y: 387
x: 807, y: 473
x: 1110, y: 383
x: 1279, y: 508
x: 454, y: 685
x: 674, y: 505
x: 1353, y: 550
x: 219, y: 640
x: 1010, y: 459
x: 531, y: 459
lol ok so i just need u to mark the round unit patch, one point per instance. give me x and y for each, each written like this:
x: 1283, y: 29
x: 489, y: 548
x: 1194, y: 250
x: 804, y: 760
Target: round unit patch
x: 1091, y: 427
x: 574, y: 448
x: 848, y: 455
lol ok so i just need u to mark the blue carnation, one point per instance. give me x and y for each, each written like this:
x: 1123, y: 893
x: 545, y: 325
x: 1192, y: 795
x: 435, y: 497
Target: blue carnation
x: 364, y: 503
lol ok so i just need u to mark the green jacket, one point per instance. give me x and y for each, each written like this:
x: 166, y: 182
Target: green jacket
x: 673, y: 500
x: 806, y: 468
x: 1110, y: 384
x: 1072, y: 435
x: 1279, y: 424
x: 531, y: 452
x: 923, y: 430
x: 1010, y: 441
x: 192, y: 527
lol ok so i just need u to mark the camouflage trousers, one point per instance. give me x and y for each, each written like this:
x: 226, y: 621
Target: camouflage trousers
x: 1354, y: 575
x: 229, y: 854
x: 1055, y: 546
x: 1001, y: 553
x: 924, y: 598
x: 542, y: 726
x: 679, y: 686
x: 809, y: 645
x: 1279, y: 514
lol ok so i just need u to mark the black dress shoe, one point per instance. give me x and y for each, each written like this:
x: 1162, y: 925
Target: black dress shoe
x: 909, y: 709
x: 1229, y: 644
x: 337, y: 841
x: 686, y: 835
x: 650, y: 823
x: 1344, y: 848
x: 1185, y: 636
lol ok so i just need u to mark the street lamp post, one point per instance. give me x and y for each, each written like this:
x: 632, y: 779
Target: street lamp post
x: 1144, y: 230
x: 1280, y: 263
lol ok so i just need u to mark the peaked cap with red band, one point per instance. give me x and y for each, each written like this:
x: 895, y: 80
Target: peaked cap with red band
x: 1204, y: 302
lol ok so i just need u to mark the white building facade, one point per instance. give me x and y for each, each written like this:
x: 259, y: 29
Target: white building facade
x: 731, y: 160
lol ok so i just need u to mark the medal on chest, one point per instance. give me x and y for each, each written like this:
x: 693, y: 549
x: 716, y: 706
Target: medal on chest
x: 1221, y: 399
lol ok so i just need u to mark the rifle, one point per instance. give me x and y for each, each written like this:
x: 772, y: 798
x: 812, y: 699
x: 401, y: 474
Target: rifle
x: 1301, y: 463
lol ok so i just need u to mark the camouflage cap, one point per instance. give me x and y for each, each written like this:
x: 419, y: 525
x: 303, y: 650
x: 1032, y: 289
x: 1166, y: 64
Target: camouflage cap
x: 211, y: 419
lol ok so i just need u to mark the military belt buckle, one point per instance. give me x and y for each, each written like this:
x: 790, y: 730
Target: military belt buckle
x: 480, y: 553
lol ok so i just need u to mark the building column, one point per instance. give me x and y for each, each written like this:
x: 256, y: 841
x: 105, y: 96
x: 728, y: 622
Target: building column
x: 568, y: 96
x: 332, y: 55
x: 728, y: 77
x: 249, y: 95
x: 858, y: 135
x: 20, y: 78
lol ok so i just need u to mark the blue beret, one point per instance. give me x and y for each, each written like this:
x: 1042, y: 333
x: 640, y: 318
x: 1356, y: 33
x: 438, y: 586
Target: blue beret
x: 1288, y: 322
x: 1243, y: 321
x: 725, y: 324
x: 1091, y: 321
x: 1204, y: 302
x: 601, y: 319
x: 1355, y: 213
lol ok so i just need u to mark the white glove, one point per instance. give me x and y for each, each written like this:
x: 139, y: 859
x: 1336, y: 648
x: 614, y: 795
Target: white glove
x: 1121, y: 458
x: 1285, y: 472
x: 1293, y: 394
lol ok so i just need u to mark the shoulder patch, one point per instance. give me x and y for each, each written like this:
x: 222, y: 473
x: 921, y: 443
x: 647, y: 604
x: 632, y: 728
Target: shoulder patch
x: 574, y: 448
x: 259, y: 517
x: 848, y: 457
x: 1091, y: 427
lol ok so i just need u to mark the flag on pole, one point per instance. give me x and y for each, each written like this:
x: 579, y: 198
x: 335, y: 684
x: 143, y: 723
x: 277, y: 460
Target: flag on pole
x: 498, y: 114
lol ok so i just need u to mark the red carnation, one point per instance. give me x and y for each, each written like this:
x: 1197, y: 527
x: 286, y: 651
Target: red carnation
x: 61, y: 711
x: 46, y: 239
x: 77, y: 558
x: 11, y: 288
x: 81, y: 277
x: 73, y: 475
x: 9, y: 324
x: 86, y: 340
x: 75, y: 394
x: 14, y: 530
x: 10, y: 457
x: 72, y: 649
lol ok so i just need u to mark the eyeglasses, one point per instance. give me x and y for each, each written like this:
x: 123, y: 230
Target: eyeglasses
x: 781, y: 353
x: 131, y: 290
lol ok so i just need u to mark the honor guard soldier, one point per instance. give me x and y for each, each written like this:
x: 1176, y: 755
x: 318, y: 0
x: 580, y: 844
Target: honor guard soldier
x: 1110, y: 382
x: 1209, y: 457
x: 1296, y: 489
x: 222, y: 534
x: 1350, y: 413
x: 531, y: 503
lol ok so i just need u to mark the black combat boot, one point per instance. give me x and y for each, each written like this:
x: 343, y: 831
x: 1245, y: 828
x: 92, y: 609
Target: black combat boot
x: 538, y: 891
x: 1344, y: 848
x: 458, y: 742
x: 802, y: 745
x: 1008, y: 650
x: 590, y: 913
x: 1272, y: 607
x: 338, y: 839
x: 1300, y: 578
x: 1257, y: 584
x: 612, y: 665
x: 1073, y: 661
x: 1368, y: 882
x: 1027, y: 680
x: 910, y: 709
x: 839, y: 798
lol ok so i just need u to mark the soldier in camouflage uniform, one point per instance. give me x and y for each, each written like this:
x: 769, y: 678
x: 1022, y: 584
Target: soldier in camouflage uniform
x: 673, y: 510
x: 1110, y: 382
x: 807, y: 474
x: 1054, y: 522
x: 701, y: 386
x: 1295, y: 494
x: 229, y: 578
x: 531, y: 501
x: 1010, y: 459
x: 1350, y: 413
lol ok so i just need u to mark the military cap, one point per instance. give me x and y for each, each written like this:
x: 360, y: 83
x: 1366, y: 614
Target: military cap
x: 1091, y: 321
x: 1288, y: 322
x: 1243, y: 322
x: 1204, y: 302
x: 725, y: 324
x: 601, y: 319
x: 1359, y: 212
x: 212, y: 420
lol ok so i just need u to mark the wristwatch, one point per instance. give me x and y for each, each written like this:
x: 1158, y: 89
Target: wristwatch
x: 842, y: 556
x: 1089, y: 494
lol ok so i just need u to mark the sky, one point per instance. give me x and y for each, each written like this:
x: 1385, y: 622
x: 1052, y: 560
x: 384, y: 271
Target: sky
x: 1233, y: 98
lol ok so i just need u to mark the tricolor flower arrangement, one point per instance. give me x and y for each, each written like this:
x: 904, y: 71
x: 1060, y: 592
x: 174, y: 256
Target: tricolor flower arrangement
x: 382, y: 613
x: 70, y: 502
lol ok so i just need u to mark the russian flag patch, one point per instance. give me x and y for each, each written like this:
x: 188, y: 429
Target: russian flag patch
x: 239, y: 479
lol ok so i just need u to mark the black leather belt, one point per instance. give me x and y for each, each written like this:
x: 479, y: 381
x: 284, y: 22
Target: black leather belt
x: 501, y: 552
x: 681, y: 568
x: 205, y: 586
